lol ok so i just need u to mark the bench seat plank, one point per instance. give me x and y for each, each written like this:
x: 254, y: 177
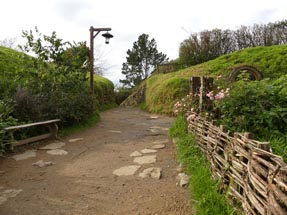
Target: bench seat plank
x: 32, y: 124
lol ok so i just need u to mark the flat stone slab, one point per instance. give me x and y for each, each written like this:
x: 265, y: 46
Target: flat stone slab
x: 6, y: 194
x: 27, y: 154
x: 56, y: 145
x: 57, y: 152
x: 159, y: 128
x: 158, y: 146
x: 135, y: 154
x: 160, y: 141
x: 152, y: 172
x: 154, y: 117
x: 147, y: 159
x: 117, y: 132
x: 76, y: 140
x: 126, y: 170
x: 148, y: 151
x: 42, y: 163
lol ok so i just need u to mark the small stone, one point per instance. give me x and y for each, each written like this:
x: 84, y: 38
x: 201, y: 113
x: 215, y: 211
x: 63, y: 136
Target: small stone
x: 76, y: 140
x: 179, y: 168
x: 148, y: 151
x: 113, y: 131
x: 182, y: 180
x: 154, y: 117
x: 5, y: 195
x: 175, y: 140
x: 126, y: 170
x: 152, y: 172
x: 2, y: 172
x: 153, y: 130
x: 52, y: 146
x: 158, y: 146
x: 148, y: 159
x: 27, y: 154
x: 135, y: 154
x: 57, y: 152
x: 161, y: 141
x: 42, y: 163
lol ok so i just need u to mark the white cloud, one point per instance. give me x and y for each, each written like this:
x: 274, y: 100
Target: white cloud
x: 167, y: 21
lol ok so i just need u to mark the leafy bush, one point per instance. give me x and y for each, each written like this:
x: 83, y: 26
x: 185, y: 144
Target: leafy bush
x: 6, y: 108
x: 258, y: 106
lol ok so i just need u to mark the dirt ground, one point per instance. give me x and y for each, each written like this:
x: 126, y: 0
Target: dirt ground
x: 82, y: 182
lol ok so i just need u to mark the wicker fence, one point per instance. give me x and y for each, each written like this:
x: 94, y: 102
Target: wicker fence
x: 249, y: 171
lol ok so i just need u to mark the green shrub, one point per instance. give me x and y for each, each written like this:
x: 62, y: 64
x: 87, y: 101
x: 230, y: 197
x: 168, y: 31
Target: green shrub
x: 6, y: 108
x: 259, y: 107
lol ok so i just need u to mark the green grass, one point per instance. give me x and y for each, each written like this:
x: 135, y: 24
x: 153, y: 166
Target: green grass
x: 163, y: 90
x: 204, y: 189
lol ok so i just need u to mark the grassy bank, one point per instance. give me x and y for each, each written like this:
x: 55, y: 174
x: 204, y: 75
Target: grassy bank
x: 163, y: 90
x: 205, y: 190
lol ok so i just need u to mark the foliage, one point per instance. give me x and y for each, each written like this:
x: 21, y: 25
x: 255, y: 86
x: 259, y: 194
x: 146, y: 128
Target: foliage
x: 104, y: 90
x: 210, y: 44
x: 256, y: 106
x: 204, y: 189
x: 141, y: 61
x: 121, y: 94
x: 6, y: 108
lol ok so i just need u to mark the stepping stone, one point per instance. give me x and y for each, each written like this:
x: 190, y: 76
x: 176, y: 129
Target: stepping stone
x: 148, y: 159
x: 5, y: 195
x: 152, y: 130
x: 157, y: 146
x: 118, y: 132
x: 42, y: 163
x: 76, y: 140
x: 52, y: 146
x: 135, y: 154
x: 27, y: 154
x: 160, y: 141
x: 148, y: 151
x: 57, y: 152
x: 153, y: 117
x: 126, y: 170
x: 152, y: 172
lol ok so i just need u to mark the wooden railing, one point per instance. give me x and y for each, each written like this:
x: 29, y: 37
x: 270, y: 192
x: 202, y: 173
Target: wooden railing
x: 250, y: 172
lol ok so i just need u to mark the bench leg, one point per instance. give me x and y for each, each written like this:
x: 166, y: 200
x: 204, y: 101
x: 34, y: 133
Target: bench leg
x: 53, y: 128
x: 11, y: 146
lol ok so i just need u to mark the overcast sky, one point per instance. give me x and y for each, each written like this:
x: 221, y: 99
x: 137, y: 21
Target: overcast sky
x: 169, y: 22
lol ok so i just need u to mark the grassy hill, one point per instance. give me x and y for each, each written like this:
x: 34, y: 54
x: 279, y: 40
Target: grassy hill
x: 163, y: 90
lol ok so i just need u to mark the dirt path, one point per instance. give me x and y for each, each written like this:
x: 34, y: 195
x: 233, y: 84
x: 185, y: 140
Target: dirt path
x: 82, y: 182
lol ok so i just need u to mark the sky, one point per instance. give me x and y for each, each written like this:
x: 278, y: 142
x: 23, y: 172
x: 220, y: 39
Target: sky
x: 169, y: 22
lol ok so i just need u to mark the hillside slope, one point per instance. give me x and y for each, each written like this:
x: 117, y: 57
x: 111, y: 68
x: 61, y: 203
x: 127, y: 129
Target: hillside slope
x: 12, y: 62
x: 163, y: 90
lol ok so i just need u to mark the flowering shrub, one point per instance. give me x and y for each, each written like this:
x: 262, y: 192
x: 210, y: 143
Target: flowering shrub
x: 186, y: 105
x: 219, y: 95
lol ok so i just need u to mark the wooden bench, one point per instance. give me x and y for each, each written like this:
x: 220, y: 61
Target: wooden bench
x: 50, y: 124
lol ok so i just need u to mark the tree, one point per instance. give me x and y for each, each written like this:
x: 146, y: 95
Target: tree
x: 141, y: 61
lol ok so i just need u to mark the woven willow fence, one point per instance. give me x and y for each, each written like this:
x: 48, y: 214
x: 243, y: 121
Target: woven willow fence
x: 249, y: 171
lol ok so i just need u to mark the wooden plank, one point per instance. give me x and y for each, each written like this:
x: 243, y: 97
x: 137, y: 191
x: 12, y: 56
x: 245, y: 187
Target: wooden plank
x: 32, y: 139
x: 32, y: 124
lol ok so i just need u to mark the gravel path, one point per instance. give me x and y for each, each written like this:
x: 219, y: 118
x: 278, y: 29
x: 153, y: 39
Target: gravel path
x: 82, y: 174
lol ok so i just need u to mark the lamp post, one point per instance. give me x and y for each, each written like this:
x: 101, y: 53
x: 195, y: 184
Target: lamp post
x: 106, y: 35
